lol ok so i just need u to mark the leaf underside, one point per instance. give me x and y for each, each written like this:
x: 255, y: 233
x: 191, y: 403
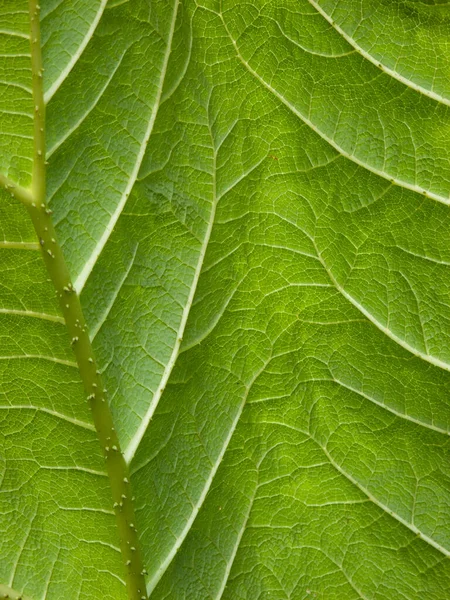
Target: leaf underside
x: 253, y: 202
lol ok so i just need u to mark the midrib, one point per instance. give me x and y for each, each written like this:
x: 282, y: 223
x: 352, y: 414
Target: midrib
x: 34, y: 200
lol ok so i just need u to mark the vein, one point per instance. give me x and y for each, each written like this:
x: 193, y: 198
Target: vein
x: 19, y: 245
x: 418, y: 310
x: 385, y: 508
x: 373, y: 60
x: 401, y: 415
x: 119, y: 579
x: 136, y: 439
x: 49, y: 411
x: 196, y: 508
x: 20, y: 86
x: 108, y: 309
x: 309, y: 51
x: 243, y: 175
x: 214, y: 322
x: 81, y: 470
x: 102, y: 511
x: 70, y: 65
x: 244, y: 527
x: 90, y: 263
x: 46, y: 11
x: 22, y: 194
x: 424, y: 257
x: 21, y: 549
x: 101, y: 543
x: 341, y: 569
x: 17, y: 135
x: 370, y: 496
x: 33, y: 314
x: 394, y: 180
x: 89, y: 109
x: 12, y: 33
x: 111, y: 3
x: 236, y: 546
x: 50, y: 575
x: 18, y: 113
x: 59, y: 361
x: 437, y: 362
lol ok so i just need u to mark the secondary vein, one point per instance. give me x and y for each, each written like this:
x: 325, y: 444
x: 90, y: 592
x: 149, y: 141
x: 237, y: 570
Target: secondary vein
x: 90, y: 263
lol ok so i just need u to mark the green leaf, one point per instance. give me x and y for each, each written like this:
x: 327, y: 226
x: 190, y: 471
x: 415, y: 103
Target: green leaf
x: 250, y: 256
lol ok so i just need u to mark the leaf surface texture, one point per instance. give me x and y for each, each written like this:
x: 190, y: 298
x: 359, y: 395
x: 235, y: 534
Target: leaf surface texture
x: 252, y: 199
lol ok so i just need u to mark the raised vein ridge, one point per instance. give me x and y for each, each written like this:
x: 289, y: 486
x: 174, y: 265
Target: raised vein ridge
x: 73, y: 61
x: 394, y: 180
x: 373, y: 60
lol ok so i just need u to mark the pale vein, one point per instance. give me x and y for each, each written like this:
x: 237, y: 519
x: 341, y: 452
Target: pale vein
x: 415, y: 86
x: 404, y: 184
x: 90, y: 263
x: 70, y: 65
